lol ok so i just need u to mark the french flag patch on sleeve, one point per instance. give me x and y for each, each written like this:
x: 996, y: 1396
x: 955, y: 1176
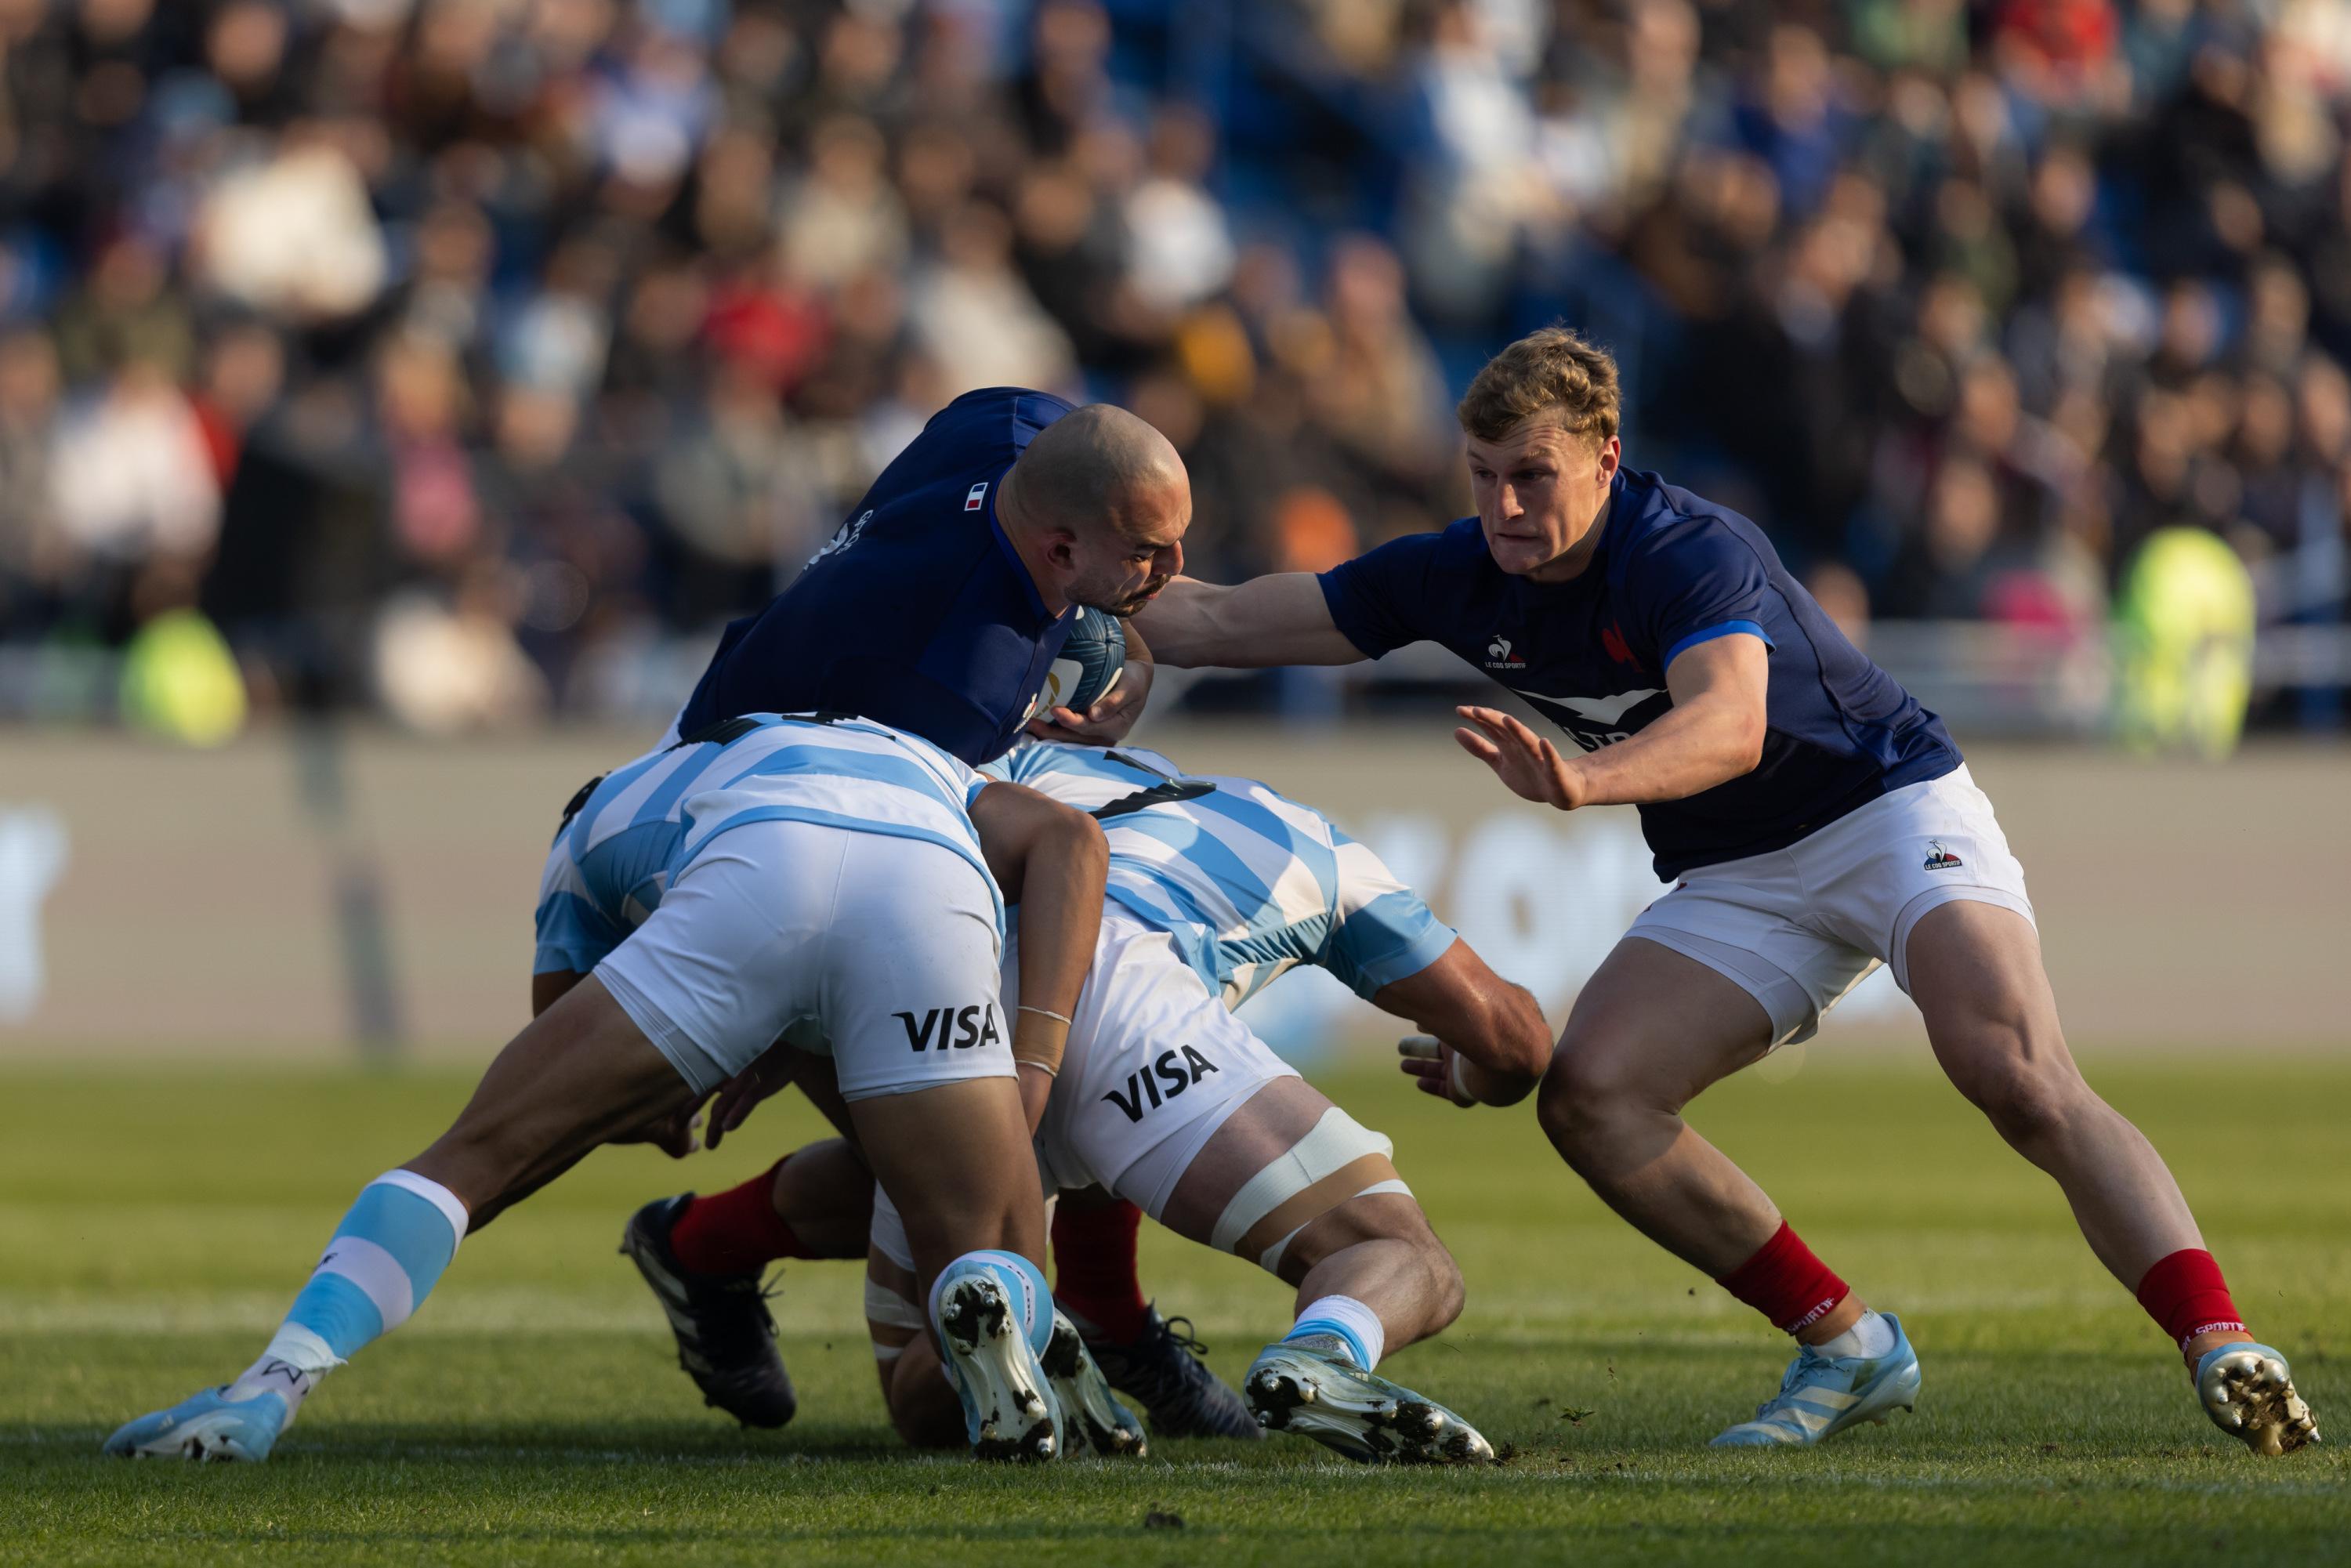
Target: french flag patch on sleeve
x: 973, y: 496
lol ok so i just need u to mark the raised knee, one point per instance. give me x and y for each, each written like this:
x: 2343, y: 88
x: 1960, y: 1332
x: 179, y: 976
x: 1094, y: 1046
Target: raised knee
x: 2025, y: 1100
x: 1583, y: 1097
x: 2026, y: 1109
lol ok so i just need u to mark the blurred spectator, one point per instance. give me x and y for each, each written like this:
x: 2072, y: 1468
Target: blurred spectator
x: 1182, y: 243
x: 131, y: 481
x: 294, y: 235
x: 978, y: 320
x: 477, y: 358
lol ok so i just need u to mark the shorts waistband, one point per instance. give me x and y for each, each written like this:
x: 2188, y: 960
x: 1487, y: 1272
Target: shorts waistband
x: 1875, y: 805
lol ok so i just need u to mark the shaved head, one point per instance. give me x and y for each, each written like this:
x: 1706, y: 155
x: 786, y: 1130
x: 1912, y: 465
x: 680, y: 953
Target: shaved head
x: 1102, y: 497
x: 1096, y: 465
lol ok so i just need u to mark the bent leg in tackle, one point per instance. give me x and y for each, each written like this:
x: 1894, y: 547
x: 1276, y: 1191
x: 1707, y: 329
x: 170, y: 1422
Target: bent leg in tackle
x: 577, y: 1074
x: 1296, y: 1186
x: 1171, y: 1102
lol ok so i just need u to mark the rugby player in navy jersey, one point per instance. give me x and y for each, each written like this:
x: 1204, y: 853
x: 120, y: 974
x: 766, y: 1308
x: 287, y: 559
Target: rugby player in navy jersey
x: 939, y: 605
x: 937, y: 608
x: 1815, y: 821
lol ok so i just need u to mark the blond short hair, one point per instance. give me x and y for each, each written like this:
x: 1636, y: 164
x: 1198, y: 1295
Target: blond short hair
x: 1553, y: 372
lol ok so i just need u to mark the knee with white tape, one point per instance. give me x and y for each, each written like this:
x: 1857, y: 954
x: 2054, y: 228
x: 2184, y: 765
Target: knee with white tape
x: 889, y: 1305
x: 1339, y: 1159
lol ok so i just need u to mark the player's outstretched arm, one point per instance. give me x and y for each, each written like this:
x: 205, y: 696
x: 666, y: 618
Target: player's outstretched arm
x: 1713, y: 733
x: 1486, y: 1043
x: 1280, y: 619
x: 1053, y: 860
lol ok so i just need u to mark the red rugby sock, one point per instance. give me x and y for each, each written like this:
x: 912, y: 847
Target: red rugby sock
x: 1095, y: 1269
x: 1786, y: 1283
x: 734, y: 1231
x: 2185, y: 1296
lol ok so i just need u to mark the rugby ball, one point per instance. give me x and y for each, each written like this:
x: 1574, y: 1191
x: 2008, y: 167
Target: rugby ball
x: 1089, y: 662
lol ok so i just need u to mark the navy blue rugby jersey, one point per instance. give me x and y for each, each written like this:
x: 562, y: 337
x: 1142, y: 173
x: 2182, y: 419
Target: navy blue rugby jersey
x: 1671, y: 571
x: 918, y: 614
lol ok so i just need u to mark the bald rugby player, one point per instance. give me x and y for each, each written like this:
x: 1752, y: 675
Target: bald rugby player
x: 1815, y: 821
x: 938, y: 609
x: 939, y: 605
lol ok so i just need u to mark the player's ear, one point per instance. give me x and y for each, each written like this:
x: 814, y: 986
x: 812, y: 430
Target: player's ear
x: 1611, y: 453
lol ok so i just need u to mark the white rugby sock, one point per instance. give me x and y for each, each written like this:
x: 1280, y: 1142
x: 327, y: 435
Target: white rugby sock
x: 1343, y: 1325
x: 1870, y: 1335
x: 272, y: 1375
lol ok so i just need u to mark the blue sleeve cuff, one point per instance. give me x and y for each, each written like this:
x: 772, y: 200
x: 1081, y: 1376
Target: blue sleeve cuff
x: 1392, y: 938
x: 1403, y: 964
x: 1340, y: 596
x: 1720, y: 629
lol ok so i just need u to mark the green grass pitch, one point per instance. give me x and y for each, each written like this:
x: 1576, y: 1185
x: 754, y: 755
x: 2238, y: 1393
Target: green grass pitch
x: 154, y: 1222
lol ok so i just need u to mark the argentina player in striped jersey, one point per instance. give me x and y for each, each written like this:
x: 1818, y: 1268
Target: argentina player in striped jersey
x: 777, y: 869
x: 1175, y: 1106
x: 1168, y: 1102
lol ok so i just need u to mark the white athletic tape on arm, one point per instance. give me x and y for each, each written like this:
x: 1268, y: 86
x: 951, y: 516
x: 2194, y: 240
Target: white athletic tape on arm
x: 1335, y: 1140
x: 1270, y: 1259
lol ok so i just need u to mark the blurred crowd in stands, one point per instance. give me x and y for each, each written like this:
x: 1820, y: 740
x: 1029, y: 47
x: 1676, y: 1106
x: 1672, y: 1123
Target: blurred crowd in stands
x: 477, y: 358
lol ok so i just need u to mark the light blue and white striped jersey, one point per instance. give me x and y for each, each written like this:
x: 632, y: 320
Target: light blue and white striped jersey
x: 1247, y: 881
x: 640, y: 825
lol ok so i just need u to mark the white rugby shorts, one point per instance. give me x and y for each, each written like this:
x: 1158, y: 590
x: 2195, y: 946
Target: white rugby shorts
x: 887, y: 945
x: 1797, y: 928
x: 1156, y: 1064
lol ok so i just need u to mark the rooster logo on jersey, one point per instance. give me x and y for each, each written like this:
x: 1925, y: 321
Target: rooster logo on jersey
x: 1499, y: 657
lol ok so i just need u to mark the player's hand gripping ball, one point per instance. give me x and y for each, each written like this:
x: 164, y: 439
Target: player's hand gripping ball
x: 1089, y: 666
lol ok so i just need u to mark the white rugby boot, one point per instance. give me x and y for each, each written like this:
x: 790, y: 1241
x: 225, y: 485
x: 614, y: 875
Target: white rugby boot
x: 1008, y: 1402
x: 1091, y: 1417
x: 1293, y: 1387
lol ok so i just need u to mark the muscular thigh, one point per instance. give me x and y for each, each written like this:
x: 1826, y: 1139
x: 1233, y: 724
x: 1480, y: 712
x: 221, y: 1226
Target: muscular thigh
x: 1275, y: 1169
x: 957, y: 1162
x: 1653, y: 1023
x: 578, y: 1074
x: 1975, y: 971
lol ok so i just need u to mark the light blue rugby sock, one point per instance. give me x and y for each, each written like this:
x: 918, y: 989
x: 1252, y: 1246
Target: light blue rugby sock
x: 385, y: 1258
x: 1342, y: 1325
